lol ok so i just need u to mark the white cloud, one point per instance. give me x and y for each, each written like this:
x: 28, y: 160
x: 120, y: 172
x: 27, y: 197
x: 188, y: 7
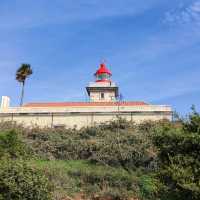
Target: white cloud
x: 184, y: 14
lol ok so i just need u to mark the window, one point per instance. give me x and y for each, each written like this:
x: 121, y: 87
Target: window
x: 59, y: 126
x: 102, y: 95
x: 103, y: 76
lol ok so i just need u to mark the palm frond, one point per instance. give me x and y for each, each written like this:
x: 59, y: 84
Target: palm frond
x: 23, y: 72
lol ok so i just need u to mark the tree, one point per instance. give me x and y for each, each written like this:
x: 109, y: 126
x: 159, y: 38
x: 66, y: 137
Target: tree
x: 21, y: 75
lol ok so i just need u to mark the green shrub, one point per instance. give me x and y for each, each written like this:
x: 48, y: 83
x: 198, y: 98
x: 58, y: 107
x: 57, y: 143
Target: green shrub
x: 20, y: 182
x: 125, y: 145
x: 72, y: 177
x: 148, y: 187
x: 116, y: 160
x: 179, y: 160
x: 12, y: 146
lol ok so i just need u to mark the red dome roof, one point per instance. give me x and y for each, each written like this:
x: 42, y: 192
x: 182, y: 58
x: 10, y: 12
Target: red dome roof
x: 103, y: 70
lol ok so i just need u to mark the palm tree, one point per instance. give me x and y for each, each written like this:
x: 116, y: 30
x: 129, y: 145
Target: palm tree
x: 22, y: 73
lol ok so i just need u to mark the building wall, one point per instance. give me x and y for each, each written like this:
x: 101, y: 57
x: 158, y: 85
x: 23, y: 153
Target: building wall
x: 108, y: 96
x: 83, y: 116
x: 108, y: 88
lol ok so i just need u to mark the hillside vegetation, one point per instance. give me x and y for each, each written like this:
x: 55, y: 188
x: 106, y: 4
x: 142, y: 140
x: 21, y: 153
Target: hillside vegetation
x: 118, y: 160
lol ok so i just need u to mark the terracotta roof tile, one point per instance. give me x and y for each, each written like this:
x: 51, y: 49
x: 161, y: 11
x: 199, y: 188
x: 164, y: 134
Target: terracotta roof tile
x: 72, y: 104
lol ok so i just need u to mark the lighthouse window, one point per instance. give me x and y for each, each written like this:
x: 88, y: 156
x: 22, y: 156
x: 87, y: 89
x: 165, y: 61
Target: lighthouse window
x: 102, y: 95
x: 103, y: 76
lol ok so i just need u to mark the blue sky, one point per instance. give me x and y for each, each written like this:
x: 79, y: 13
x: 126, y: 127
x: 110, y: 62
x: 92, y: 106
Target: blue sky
x: 152, y: 48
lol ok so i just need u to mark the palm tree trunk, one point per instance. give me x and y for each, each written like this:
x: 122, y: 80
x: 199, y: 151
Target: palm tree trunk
x: 22, y: 94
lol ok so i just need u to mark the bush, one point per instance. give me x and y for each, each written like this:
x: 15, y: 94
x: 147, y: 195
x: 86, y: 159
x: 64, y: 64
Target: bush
x: 72, y: 177
x: 179, y: 160
x: 117, y: 160
x: 12, y: 146
x: 127, y: 145
x: 20, y: 182
x: 149, y: 187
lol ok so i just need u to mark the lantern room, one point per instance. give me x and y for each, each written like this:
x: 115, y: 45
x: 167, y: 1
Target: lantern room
x: 103, y: 74
x: 103, y: 89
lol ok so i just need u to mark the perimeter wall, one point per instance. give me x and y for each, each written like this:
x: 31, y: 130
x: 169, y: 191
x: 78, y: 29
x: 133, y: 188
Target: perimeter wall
x: 78, y: 117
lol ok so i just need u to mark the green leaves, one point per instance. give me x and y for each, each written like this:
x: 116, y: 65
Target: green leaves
x: 20, y: 182
x: 153, y: 160
x: 179, y: 158
x: 148, y: 187
x: 127, y: 147
x: 12, y: 146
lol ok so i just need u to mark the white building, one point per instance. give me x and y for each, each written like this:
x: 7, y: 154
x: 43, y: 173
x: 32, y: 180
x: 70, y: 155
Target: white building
x: 103, y: 106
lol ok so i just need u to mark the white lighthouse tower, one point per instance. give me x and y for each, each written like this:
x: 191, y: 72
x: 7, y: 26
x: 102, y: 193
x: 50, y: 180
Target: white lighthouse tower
x: 103, y: 89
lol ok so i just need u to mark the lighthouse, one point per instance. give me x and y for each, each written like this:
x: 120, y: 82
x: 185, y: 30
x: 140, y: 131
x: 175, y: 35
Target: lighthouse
x: 103, y: 89
x: 102, y: 108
